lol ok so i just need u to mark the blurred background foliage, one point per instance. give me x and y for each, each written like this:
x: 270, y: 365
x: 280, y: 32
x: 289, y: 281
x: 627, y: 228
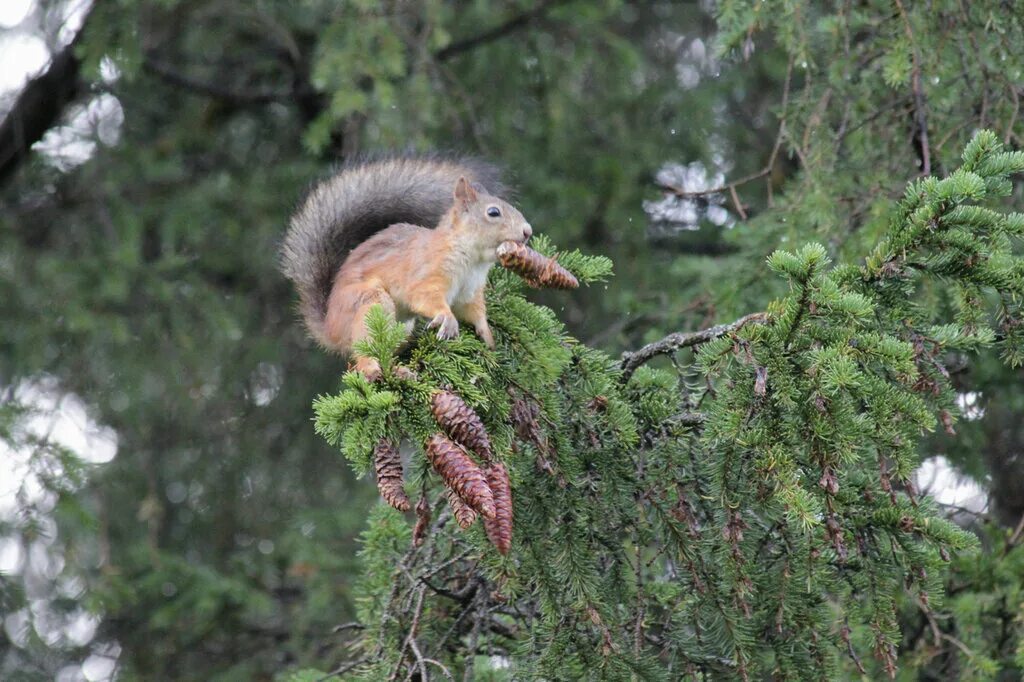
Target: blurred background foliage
x: 148, y: 171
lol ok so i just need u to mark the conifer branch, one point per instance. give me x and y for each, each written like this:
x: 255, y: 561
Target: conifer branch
x: 730, y: 187
x: 630, y: 361
x: 763, y: 489
x: 516, y: 23
x: 920, y: 104
x: 251, y: 96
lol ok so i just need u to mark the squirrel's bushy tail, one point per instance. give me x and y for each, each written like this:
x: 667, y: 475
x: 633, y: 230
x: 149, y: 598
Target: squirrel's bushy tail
x: 364, y: 197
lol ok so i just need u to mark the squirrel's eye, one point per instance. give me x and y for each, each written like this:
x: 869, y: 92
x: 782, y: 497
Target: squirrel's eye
x: 494, y: 212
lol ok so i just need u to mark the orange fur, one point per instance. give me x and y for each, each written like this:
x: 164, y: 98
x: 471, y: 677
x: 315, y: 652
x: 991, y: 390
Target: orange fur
x: 437, y: 274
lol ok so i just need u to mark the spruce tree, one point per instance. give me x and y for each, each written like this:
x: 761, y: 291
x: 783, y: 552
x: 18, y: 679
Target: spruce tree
x: 138, y: 280
x: 747, y: 513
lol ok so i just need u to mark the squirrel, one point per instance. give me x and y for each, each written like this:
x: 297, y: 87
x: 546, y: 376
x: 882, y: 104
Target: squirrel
x: 416, y: 234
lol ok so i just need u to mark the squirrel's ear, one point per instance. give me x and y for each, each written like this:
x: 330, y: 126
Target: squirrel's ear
x: 464, y: 192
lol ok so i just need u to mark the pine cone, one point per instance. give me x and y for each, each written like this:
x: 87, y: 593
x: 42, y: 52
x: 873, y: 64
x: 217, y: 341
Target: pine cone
x: 461, y: 423
x: 538, y: 271
x: 499, y: 529
x: 464, y: 514
x: 388, y: 464
x: 524, y: 420
x: 461, y: 474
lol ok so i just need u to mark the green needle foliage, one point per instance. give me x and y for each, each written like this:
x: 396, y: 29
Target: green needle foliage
x: 760, y: 521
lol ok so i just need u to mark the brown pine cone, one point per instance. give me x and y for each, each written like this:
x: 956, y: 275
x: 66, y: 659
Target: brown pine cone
x: 464, y: 514
x: 461, y: 474
x: 499, y: 529
x: 461, y: 423
x: 538, y: 271
x: 387, y: 463
x: 524, y: 418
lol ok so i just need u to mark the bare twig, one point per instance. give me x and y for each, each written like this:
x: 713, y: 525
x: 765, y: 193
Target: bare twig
x: 1013, y: 117
x: 768, y: 167
x: 410, y: 642
x: 463, y: 596
x: 1017, y: 532
x: 728, y: 187
x: 736, y: 201
x: 344, y: 668
x: 421, y: 663
x: 474, y: 641
x: 688, y: 418
x: 673, y: 342
x: 440, y: 567
x: 444, y: 671
x: 516, y: 23
x: 199, y: 86
x: 851, y: 652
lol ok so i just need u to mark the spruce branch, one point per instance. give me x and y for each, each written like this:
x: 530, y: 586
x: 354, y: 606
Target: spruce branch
x: 920, y: 103
x: 650, y: 527
x: 765, y: 171
x: 630, y: 361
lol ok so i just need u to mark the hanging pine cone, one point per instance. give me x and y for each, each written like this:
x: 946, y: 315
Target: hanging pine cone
x: 538, y: 271
x: 464, y: 514
x: 461, y: 423
x: 524, y: 417
x: 499, y: 529
x: 461, y: 474
x: 387, y: 463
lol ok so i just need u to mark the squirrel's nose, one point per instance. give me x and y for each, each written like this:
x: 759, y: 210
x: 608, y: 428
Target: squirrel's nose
x: 527, y: 231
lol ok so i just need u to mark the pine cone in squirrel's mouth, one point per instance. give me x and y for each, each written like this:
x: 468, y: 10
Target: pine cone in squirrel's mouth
x: 387, y: 464
x: 461, y: 474
x: 461, y: 423
x: 539, y: 271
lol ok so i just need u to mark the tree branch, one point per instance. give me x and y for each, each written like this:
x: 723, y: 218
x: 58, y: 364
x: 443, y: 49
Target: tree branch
x: 1017, y: 532
x: 514, y: 24
x: 195, y: 85
x: 309, y: 99
x: 673, y: 342
x: 39, y: 107
x: 920, y: 104
x: 730, y: 187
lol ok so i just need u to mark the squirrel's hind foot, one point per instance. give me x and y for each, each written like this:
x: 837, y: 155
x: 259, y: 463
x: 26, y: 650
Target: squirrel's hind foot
x: 404, y: 373
x: 368, y: 367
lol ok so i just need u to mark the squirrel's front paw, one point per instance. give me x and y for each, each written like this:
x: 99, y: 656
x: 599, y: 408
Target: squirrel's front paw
x: 447, y: 326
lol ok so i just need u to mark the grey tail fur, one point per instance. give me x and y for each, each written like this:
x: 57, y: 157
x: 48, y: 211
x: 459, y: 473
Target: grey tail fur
x: 364, y: 197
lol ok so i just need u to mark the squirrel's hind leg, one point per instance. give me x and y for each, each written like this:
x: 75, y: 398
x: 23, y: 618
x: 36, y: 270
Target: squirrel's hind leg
x: 369, y: 367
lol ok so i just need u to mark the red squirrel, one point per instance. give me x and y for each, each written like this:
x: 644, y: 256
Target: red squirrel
x: 415, y: 234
